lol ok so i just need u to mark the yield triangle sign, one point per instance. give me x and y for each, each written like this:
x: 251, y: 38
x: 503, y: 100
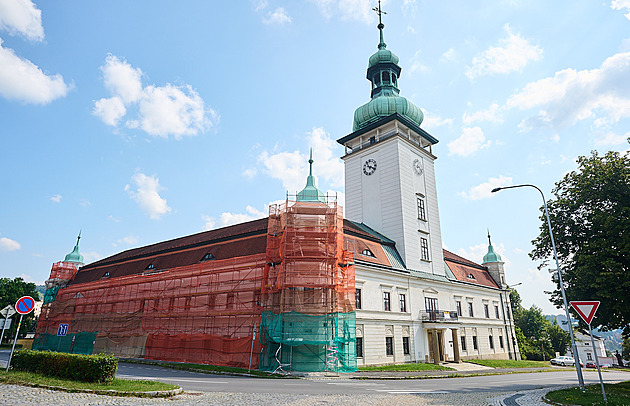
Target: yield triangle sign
x: 586, y: 310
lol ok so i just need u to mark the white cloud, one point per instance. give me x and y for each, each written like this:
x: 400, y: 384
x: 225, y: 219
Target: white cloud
x: 110, y: 110
x: 611, y: 139
x: 250, y: 173
x: 277, y: 17
x: 161, y: 110
x: 570, y: 96
x: 432, y: 121
x: 147, y: 196
x: 91, y: 256
x: 121, y: 79
x: 114, y: 219
x: 227, y: 219
x: 484, y: 190
x: 7, y: 244
x: 360, y: 10
x: 261, y: 5
x: 292, y: 167
x: 449, y: 56
x: 513, y: 54
x: 492, y: 114
x: 21, y: 17
x: 471, y: 140
x: 22, y: 80
x: 56, y: 198
x: 30, y: 279
x: 128, y: 240
x: 416, y: 65
x: 621, y: 5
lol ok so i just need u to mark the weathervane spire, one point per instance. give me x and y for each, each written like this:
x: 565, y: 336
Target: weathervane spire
x: 380, y: 26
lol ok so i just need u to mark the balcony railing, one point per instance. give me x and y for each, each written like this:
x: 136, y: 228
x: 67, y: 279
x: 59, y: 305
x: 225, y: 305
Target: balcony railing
x: 439, y: 316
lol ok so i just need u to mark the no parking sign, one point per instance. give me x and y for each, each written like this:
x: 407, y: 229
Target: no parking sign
x: 25, y: 305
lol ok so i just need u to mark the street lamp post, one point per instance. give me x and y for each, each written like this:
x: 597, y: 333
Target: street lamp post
x: 564, y: 295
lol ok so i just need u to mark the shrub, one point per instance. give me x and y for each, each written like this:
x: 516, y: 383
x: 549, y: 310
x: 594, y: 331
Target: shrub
x: 86, y: 368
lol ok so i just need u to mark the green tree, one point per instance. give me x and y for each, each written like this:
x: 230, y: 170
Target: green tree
x: 559, y: 339
x: 590, y: 217
x: 10, y: 292
x: 625, y: 348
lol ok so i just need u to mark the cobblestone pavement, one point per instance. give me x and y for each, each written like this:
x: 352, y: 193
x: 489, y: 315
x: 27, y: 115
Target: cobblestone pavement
x: 15, y: 395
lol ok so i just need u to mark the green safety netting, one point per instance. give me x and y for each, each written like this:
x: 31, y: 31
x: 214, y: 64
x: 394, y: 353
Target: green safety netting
x: 50, y: 295
x: 304, y: 343
x: 83, y: 343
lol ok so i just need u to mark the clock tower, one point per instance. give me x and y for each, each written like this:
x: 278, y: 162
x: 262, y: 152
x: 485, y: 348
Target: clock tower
x: 389, y: 168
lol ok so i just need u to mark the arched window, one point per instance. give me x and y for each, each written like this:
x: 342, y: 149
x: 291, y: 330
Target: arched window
x: 149, y: 267
x: 368, y: 253
x: 386, y: 79
x: 207, y: 257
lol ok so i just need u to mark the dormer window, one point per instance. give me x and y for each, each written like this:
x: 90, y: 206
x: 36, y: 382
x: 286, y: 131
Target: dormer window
x: 471, y: 276
x: 106, y: 274
x: 368, y: 253
x: 207, y: 257
x: 149, y: 267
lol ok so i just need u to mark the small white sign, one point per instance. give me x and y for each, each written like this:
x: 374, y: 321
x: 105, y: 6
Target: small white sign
x: 8, y: 324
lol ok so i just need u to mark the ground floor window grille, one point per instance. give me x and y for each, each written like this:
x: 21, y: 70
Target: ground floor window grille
x: 463, y: 339
x: 501, y: 341
x: 475, y: 347
x: 491, y: 342
x: 406, y: 345
x: 359, y: 347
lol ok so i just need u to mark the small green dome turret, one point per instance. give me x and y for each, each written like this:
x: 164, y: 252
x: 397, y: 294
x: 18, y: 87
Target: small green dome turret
x: 310, y: 193
x: 75, y: 256
x: 491, y: 256
x: 384, y: 71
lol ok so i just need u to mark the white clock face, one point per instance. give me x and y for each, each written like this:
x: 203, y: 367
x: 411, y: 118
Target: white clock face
x: 418, y: 167
x: 369, y: 167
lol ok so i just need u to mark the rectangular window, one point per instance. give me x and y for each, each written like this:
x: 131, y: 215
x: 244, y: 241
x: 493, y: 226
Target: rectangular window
x: 496, y: 311
x: 389, y: 345
x: 475, y: 343
x: 357, y: 297
x: 470, y: 310
x: 406, y: 345
x: 459, y: 308
x: 431, y: 305
x: 501, y: 341
x: 491, y: 342
x: 424, y: 248
x: 359, y: 347
x: 403, y: 303
x: 589, y: 357
x: 463, y: 339
x: 387, y: 301
x: 421, y: 211
x: 486, y: 311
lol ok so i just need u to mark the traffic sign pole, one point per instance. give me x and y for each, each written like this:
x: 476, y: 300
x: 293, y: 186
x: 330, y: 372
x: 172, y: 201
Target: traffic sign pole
x: 4, y: 327
x: 14, y: 341
x: 24, y: 305
x: 599, y: 371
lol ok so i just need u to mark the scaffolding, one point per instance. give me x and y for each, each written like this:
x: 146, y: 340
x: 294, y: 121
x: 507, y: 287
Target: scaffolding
x: 300, y: 292
x: 308, y: 295
x: 201, y: 313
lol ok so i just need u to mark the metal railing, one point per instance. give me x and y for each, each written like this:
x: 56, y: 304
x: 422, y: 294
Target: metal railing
x: 442, y: 316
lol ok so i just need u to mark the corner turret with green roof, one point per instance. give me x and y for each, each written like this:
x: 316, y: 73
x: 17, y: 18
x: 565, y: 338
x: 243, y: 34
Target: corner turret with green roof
x: 491, y: 256
x: 384, y: 71
x: 310, y: 193
x: 75, y: 256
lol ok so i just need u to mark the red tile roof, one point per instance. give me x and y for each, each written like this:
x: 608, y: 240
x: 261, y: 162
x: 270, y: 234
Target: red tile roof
x: 463, y: 268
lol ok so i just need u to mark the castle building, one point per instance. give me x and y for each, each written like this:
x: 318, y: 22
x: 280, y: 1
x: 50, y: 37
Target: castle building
x: 303, y: 289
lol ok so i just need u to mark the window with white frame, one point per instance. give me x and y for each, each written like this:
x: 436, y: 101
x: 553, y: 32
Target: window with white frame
x: 387, y: 303
x: 403, y: 302
x: 422, y: 214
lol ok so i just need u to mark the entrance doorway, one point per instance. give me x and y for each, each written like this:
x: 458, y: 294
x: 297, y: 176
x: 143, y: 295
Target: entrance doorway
x: 440, y: 346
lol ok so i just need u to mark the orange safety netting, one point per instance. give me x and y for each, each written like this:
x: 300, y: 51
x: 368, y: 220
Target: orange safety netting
x: 203, y: 312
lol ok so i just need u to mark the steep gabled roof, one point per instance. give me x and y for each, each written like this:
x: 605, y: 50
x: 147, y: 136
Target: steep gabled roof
x: 468, y: 271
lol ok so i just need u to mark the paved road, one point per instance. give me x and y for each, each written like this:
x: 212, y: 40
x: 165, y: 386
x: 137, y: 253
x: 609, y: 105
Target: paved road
x: 192, y: 381
x: 198, y: 382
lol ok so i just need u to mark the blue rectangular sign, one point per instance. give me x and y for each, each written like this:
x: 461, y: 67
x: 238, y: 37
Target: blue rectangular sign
x: 62, y: 330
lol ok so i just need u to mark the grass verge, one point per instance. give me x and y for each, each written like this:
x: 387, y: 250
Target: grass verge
x: 617, y: 394
x: 210, y: 369
x: 407, y: 367
x: 509, y: 363
x: 117, y: 387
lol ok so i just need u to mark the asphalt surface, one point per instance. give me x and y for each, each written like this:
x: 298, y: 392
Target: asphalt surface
x: 199, y: 382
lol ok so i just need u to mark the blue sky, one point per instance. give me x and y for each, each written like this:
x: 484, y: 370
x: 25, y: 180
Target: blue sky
x: 140, y: 121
